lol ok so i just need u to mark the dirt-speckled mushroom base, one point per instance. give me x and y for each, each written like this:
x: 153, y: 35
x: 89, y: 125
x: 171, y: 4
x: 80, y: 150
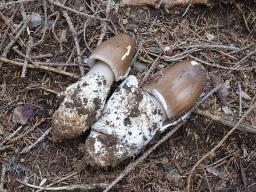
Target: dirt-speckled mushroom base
x: 82, y: 106
x: 129, y: 121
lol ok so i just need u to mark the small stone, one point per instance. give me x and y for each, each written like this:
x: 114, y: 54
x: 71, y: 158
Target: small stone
x: 161, y: 66
x: 125, y: 21
x: 209, y: 36
x: 139, y: 66
x: 245, y: 96
x: 227, y: 110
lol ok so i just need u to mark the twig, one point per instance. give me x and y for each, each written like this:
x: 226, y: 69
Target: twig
x: 244, y: 178
x: 244, y: 17
x: 45, y: 25
x: 43, y: 56
x: 57, y: 16
x: 227, y: 121
x: 132, y: 166
x: 47, y: 68
x: 9, y: 46
x: 9, y: 140
x: 221, y: 67
x: 58, y: 181
x: 30, y: 40
x: 9, y: 23
x: 13, y: 3
x: 74, y: 33
x: 67, y: 188
x: 75, y: 11
x: 2, y: 178
x: 219, y: 144
x: 209, y: 46
x: 247, y: 56
x: 154, y: 3
x: 27, y: 149
x: 189, y: 5
x: 152, y: 67
x: 15, y: 132
x: 28, y: 51
x: 215, y: 89
x: 104, y: 24
x: 4, y: 37
x: 240, y: 98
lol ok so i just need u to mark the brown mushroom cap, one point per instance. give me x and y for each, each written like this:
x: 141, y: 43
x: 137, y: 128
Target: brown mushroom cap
x: 178, y: 87
x: 117, y: 52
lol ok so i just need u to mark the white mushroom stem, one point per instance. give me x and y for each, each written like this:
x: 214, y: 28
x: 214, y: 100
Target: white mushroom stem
x: 101, y: 68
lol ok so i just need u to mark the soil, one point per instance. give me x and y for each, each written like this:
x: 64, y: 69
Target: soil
x: 231, y: 168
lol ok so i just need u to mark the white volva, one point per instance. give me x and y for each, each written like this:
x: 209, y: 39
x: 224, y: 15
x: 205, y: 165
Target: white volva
x: 81, y: 100
x: 130, y: 119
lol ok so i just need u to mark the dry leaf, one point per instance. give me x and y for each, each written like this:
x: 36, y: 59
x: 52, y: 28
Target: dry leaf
x: 22, y: 114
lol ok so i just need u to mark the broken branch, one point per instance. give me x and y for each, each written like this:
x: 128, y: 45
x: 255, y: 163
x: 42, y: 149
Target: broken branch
x: 227, y: 121
x: 168, y: 3
x: 47, y: 68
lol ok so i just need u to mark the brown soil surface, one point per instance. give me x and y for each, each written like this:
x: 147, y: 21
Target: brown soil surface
x: 231, y: 23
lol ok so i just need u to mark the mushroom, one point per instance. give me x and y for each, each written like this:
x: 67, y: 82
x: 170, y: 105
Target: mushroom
x: 84, y: 100
x: 133, y: 115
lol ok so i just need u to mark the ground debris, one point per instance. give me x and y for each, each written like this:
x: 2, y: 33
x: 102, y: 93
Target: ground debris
x: 22, y: 114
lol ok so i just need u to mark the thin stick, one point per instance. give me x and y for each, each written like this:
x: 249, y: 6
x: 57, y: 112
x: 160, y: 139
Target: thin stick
x: 13, y: 3
x: 47, y: 68
x: 28, y: 51
x: 2, y: 178
x: 221, y: 67
x: 104, y: 24
x: 15, y: 132
x: 75, y: 11
x: 42, y: 56
x: 9, y: 23
x: 240, y: 98
x: 58, y: 181
x: 132, y: 166
x: 67, y: 188
x: 218, y: 145
x: 226, y: 121
x: 27, y: 149
x: 45, y: 24
x: 9, y: 140
x: 20, y: 136
x: 9, y: 46
x: 4, y: 37
x: 152, y: 67
x: 156, y: 3
x: 75, y: 36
